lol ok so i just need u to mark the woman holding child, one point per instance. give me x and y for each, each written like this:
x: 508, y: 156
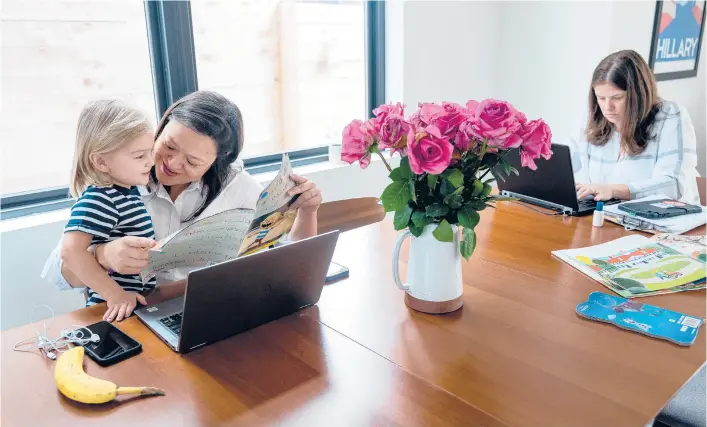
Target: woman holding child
x: 193, y: 172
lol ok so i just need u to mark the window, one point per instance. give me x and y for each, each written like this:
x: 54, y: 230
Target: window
x: 56, y: 56
x: 300, y: 70
x: 296, y: 69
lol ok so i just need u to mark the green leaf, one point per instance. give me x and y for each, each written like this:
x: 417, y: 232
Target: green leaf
x: 402, y: 172
x: 478, y: 188
x: 454, y: 200
x: 412, y: 190
x: 402, y: 217
x: 468, y: 217
x: 436, y: 210
x: 397, y: 175
x: 507, y: 168
x: 444, y: 232
x: 446, y: 188
x: 468, y: 243
x: 415, y: 230
x: 477, y: 205
x: 405, y: 167
x: 432, y: 181
x: 420, y: 219
x: 455, y: 177
x: 395, y: 196
x: 487, y: 190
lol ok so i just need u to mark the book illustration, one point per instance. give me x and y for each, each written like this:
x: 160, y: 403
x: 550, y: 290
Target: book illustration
x: 267, y: 229
x: 637, y: 266
x: 643, y: 318
x: 228, y: 235
x: 693, y: 246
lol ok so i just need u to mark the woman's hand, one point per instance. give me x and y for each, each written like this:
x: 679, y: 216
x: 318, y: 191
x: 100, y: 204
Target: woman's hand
x: 127, y: 255
x: 603, y: 191
x: 310, y: 197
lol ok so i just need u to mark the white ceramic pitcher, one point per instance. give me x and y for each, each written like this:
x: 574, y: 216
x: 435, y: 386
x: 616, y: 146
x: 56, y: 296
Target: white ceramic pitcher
x: 434, y: 274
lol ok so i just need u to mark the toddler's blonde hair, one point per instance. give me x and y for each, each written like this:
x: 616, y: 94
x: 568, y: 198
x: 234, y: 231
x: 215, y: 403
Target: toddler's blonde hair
x: 103, y: 127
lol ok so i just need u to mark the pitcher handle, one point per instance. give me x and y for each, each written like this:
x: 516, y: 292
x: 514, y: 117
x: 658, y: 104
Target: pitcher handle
x: 396, y: 259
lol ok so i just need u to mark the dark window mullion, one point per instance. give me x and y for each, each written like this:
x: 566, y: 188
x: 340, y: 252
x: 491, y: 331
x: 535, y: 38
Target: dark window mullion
x: 375, y: 54
x: 171, y: 40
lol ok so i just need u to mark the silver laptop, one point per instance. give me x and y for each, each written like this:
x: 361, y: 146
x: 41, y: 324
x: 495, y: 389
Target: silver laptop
x: 232, y: 297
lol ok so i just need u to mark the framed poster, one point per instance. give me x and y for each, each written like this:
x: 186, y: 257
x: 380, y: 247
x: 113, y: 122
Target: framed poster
x: 677, y: 38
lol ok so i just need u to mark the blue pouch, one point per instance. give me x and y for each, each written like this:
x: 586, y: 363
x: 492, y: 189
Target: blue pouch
x: 643, y: 318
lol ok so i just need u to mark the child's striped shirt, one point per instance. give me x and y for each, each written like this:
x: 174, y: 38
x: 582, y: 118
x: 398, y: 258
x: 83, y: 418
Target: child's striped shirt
x: 109, y: 213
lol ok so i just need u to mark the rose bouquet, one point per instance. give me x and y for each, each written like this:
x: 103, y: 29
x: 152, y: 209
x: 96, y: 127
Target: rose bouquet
x: 447, y: 153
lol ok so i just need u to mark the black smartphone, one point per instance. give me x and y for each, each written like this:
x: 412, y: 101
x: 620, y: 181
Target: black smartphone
x: 336, y: 272
x: 113, y: 346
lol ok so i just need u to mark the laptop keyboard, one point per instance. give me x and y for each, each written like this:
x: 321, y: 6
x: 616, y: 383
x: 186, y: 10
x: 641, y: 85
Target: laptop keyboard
x: 587, y: 203
x: 591, y: 204
x: 173, y: 323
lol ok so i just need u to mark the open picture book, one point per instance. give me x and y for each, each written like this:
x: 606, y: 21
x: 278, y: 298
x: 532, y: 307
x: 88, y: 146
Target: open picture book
x: 635, y: 266
x: 229, y: 234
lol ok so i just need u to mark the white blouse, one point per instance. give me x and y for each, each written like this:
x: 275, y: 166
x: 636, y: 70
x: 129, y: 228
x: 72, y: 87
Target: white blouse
x: 240, y: 192
x: 666, y: 167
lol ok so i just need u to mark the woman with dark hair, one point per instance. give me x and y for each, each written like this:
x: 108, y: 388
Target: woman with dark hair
x: 634, y: 144
x: 197, y: 173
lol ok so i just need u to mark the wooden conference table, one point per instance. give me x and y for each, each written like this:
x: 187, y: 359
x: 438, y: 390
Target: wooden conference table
x: 516, y: 354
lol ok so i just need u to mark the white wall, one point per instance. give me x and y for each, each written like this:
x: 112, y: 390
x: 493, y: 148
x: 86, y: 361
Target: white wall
x: 538, y: 55
x: 25, y: 243
x: 450, y: 51
x: 550, y: 50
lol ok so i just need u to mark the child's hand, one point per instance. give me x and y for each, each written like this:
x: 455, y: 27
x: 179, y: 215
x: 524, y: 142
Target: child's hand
x: 121, y: 305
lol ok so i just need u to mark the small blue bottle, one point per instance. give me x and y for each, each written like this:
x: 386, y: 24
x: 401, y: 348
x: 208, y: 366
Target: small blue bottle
x: 598, y: 219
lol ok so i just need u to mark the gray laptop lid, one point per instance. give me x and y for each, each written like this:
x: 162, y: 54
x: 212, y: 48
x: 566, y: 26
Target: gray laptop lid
x: 238, y: 295
x: 552, y: 182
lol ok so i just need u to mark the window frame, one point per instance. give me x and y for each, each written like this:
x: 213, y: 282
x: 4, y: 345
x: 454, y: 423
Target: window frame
x: 173, y: 62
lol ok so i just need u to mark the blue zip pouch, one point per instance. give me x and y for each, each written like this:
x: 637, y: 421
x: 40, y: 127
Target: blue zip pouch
x: 642, y: 318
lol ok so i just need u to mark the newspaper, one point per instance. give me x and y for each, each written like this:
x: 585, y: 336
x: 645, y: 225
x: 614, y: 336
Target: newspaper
x: 229, y: 234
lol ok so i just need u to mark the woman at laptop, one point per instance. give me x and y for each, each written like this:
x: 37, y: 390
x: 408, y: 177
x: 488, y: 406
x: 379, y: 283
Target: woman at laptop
x: 634, y: 144
x: 197, y: 173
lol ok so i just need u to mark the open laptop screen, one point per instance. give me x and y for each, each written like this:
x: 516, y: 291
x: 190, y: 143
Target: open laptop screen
x: 553, y: 181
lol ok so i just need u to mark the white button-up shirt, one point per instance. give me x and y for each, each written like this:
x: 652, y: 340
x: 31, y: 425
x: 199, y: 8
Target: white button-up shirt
x: 667, y: 166
x: 240, y: 192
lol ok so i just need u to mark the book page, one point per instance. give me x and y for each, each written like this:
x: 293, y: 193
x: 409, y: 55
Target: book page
x: 275, y: 194
x: 208, y: 241
x: 692, y: 246
x: 637, y: 266
x: 273, y: 216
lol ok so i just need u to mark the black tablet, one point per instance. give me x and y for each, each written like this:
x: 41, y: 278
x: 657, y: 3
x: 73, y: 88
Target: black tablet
x: 660, y: 208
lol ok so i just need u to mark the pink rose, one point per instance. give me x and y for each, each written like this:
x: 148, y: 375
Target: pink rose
x: 429, y: 152
x: 465, y: 140
x: 453, y: 115
x: 472, y: 105
x: 537, y: 141
x: 356, y: 142
x: 426, y: 114
x: 416, y: 120
x: 391, y: 131
x: 497, y: 122
x: 389, y: 109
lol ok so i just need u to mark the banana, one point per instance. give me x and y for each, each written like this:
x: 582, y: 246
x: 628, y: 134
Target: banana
x: 74, y: 383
